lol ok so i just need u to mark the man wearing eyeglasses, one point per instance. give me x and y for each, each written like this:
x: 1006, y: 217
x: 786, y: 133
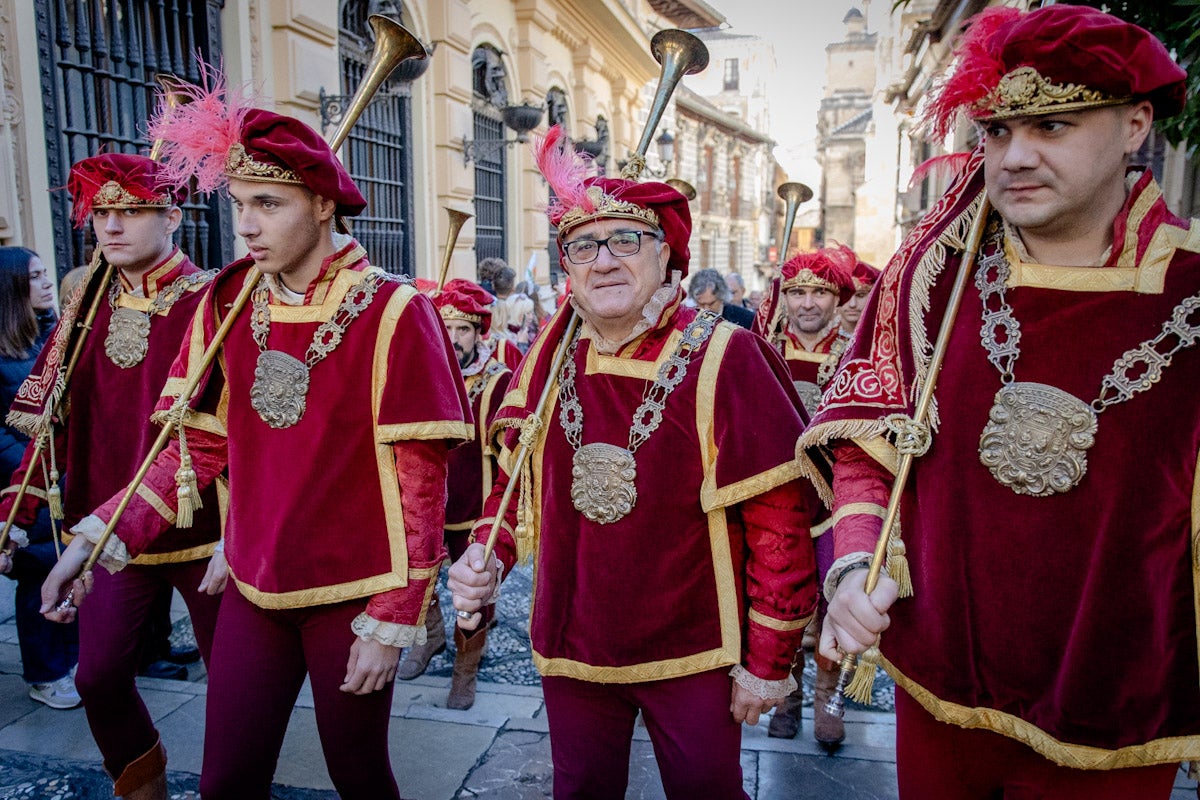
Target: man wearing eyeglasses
x: 674, y: 566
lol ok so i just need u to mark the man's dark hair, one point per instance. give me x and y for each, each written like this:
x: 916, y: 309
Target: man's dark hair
x: 489, y: 267
x: 503, y: 280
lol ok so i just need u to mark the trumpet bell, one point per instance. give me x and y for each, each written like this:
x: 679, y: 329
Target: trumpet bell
x: 680, y: 53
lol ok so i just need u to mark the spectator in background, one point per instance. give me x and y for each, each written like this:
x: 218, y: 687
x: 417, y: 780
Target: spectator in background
x: 488, y: 269
x: 709, y: 291
x: 49, y: 651
x: 737, y: 289
x: 754, y: 300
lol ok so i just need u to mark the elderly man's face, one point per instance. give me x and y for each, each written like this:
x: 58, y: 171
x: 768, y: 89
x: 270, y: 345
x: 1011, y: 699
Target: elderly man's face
x: 613, y: 290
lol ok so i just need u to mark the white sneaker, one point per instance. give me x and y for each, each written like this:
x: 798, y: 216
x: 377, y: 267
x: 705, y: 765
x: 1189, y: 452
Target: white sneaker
x: 56, y: 694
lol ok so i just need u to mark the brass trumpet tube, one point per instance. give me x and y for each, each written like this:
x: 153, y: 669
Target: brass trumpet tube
x: 457, y: 220
x: 680, y: 53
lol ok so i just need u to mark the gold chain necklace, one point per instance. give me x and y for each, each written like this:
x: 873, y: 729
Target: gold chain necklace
x: 280, y: 390
x: 602, y: 474
x: 1037, y: 436
x: 128, y: 338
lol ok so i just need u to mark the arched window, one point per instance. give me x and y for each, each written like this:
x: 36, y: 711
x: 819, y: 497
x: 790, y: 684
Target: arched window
x: 378, y: 151
x: 490, y: 83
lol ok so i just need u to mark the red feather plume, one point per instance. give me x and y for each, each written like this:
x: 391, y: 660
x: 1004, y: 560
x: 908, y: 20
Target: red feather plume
x: 565, y: 170
x: 976, y: 73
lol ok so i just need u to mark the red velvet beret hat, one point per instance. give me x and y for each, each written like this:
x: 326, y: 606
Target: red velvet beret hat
x: 465, y: 300
x: 213, y: 134
x: 829, y: 268
x: 581, y: 199
x: 119, y: 180
x: 1012, y: 63
x: 864, y: 275
x: 281, y: 149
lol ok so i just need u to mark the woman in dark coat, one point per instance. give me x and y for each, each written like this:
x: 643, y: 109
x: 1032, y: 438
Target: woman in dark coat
x: 49, y: 651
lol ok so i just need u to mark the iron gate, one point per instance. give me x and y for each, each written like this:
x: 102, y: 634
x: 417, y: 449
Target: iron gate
x: 97, y: 60
x: 489, y: 191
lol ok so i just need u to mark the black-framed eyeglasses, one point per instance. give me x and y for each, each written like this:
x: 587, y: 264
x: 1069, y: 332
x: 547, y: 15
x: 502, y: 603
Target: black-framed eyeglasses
x: 621, y: 244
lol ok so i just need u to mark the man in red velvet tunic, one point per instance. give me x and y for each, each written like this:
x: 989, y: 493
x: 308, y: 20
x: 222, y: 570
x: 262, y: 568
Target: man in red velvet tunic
x: 336, y: 458
x: 466, y: 311
x: 144, y: 313
x: 1049, y: 648
x: 671, y: 539
x: 801, y: 318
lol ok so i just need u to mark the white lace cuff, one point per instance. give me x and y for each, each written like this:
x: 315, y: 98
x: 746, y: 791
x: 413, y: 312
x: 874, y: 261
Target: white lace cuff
x: 842, y: 567
x: 392, y: 634
x: 19, y: 536
x: 773, y: 691
x: 114, y: 557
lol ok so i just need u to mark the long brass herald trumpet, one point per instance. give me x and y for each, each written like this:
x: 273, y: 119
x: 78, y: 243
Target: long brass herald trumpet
x: 393, y: 44
x: 457, y: 220
x: 683, y: 187
x: 793, y: 194
x: 680, y: 53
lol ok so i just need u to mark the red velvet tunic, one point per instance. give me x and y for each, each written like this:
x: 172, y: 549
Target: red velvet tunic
x: 470, y: 468
x: 349, y: 501
x: 108, y: 431
x: 806, y: 366
x: 713, y: 566
x: 1068, y: 622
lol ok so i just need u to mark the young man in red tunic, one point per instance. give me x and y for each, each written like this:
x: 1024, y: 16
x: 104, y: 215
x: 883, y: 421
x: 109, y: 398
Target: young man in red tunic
x: 466, y: 311
x: 1049, y: 648
x: 332, y: 405
x: 849, y: 312
x: 800, y: 319
x: 671, y: 539
x: 145, y: 312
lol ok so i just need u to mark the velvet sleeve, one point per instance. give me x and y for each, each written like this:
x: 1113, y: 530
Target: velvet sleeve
x: 860, y: 488
x: 506, y: 546
x: 421, y: 469
x: 151, y: 511
x: 781, y: 576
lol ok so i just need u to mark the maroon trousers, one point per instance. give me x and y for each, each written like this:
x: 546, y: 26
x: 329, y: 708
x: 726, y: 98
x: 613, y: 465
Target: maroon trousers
x: 696, y: 742
x: 260, y: 658
x: 934, y: 759
x: 112, y: 625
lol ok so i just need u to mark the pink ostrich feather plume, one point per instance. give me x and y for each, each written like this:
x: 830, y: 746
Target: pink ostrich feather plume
x: 944, y: 166
x: 843, y: 260
x: 198, y: 132
x: 977, y: 71
x: 565, y: 170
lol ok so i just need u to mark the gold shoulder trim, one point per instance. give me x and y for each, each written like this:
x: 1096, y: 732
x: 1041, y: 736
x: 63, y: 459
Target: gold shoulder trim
x: 630, y: 367
x: 713, y: 498
x: 1075, y: 756
x: 445, y: 429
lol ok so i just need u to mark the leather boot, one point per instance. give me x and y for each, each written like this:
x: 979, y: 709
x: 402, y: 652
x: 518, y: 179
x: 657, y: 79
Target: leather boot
x: 146, y: 777
x: 785, y: 721
x: 466, y: 668
x: 828, y: 730
x: 416, y: 658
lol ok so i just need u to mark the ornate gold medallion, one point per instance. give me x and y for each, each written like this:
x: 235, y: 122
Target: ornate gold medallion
x: 128, y: 337
x: 810, y: 395
x: 1037, y: 438
x: 280, y: 388
x: 602, y: 487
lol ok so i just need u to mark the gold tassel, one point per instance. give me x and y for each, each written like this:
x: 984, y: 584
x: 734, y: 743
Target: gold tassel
x: 897, y: 564
x: 863, y: 683
x: 53, y: 490
x: 188, y: 492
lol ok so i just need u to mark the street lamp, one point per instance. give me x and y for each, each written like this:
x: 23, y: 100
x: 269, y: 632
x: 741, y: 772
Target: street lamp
x: 666, y: 154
